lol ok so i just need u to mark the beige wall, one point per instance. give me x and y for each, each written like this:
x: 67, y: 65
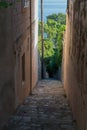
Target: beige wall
x: 14, y: 42
x: 21, y: 31
x: 34, y: 42
x: 75, y: 61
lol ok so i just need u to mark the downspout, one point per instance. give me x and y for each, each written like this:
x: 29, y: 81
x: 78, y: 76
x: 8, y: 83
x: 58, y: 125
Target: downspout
x: 30, y: 47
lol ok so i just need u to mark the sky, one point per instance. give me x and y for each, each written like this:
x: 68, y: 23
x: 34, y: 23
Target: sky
x: 54, y: 1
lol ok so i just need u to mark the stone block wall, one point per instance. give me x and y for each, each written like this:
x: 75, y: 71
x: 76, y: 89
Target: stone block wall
x: 75, y: 60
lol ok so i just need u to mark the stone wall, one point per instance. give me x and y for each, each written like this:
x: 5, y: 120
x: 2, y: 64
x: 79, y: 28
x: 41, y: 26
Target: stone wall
x: 15, y: 56
x: 75, y: 60
x: 21, y: 44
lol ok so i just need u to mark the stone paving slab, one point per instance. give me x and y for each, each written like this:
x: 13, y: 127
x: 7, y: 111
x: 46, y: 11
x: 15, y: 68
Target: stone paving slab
x: 46, y: 109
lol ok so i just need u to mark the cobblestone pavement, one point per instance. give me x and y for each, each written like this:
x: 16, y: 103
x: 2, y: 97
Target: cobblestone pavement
x: 46, y: 109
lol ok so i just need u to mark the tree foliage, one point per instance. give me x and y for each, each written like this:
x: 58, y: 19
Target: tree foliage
x: 54, y: 29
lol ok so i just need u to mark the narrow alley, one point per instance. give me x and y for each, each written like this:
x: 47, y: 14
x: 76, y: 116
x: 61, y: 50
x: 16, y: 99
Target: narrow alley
x: 46, y: 109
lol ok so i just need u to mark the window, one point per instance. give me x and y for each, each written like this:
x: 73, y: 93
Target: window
x: 23, y: 68
x: 25, y: 3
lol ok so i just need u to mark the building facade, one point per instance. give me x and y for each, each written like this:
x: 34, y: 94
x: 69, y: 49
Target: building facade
x: 18, y: 53
x: 75, y: 60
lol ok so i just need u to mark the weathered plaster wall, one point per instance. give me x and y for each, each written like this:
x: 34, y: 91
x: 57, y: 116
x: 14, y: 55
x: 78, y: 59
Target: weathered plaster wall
x: 21, y: 45
x: 75, y: 60
x: 14, y: 43
x: 34, y: 42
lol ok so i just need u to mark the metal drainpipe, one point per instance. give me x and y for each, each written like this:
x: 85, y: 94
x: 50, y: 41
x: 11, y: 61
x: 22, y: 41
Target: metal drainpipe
x: 42, y: 32
x: 30, y: 47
